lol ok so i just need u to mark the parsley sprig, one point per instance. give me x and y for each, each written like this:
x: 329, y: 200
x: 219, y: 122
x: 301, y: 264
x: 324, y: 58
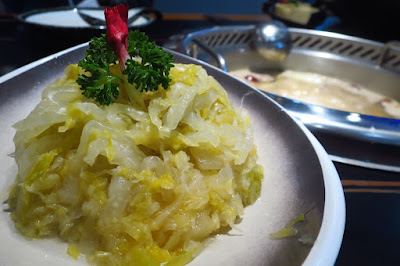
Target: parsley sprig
x: 99, y: 83
x: 147, y: 69
x: 153, y: 69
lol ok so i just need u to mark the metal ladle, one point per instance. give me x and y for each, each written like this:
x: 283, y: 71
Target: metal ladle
x: 272, y: 41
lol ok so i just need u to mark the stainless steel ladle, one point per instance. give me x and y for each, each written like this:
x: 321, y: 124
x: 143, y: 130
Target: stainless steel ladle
x: 272, y: 41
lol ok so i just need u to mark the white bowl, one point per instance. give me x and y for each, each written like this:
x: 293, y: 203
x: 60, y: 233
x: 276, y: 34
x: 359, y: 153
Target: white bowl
x: 299, y: 178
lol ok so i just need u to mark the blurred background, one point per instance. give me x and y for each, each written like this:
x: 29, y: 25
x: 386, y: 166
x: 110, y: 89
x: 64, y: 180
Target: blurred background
x: 377, y: 20
x: 373, y: 20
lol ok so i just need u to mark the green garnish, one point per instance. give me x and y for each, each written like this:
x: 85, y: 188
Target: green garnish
x: 288, y: 230
x: 100, y: 84
x: 147, y: 68
x: 153, y: 70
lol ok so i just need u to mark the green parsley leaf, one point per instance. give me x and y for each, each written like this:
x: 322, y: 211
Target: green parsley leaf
x: 147, y: 69
x: 100, y: 84
x: 153, y: 67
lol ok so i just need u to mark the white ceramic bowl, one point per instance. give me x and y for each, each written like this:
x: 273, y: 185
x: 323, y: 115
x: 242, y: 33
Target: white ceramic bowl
x: 299, y: 178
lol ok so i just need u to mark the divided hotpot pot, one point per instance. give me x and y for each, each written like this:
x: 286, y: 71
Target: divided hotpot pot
x: 350, y: 138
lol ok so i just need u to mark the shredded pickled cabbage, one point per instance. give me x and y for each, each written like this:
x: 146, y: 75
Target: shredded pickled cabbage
x: 140, y: 183
x: 288, y: 230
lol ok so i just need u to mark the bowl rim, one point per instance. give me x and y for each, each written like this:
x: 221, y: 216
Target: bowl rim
x: 327, y: 245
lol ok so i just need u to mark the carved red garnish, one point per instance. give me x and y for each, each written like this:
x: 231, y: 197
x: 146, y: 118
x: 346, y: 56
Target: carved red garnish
x: 117, y: 31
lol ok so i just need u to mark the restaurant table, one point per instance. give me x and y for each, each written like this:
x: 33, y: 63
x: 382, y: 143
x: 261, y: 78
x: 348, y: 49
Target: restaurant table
x: 372, y: 234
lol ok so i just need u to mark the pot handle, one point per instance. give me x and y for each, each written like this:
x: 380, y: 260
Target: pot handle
x: 385, y: 51
x: 217, y: 56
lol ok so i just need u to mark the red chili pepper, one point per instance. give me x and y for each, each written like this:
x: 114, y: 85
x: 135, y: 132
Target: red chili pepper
x: 251, y: 78
x: 386, y: 100
x: 117, y: 31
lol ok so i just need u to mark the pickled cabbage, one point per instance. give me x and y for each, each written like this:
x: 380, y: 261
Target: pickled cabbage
x: 129, y: 183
